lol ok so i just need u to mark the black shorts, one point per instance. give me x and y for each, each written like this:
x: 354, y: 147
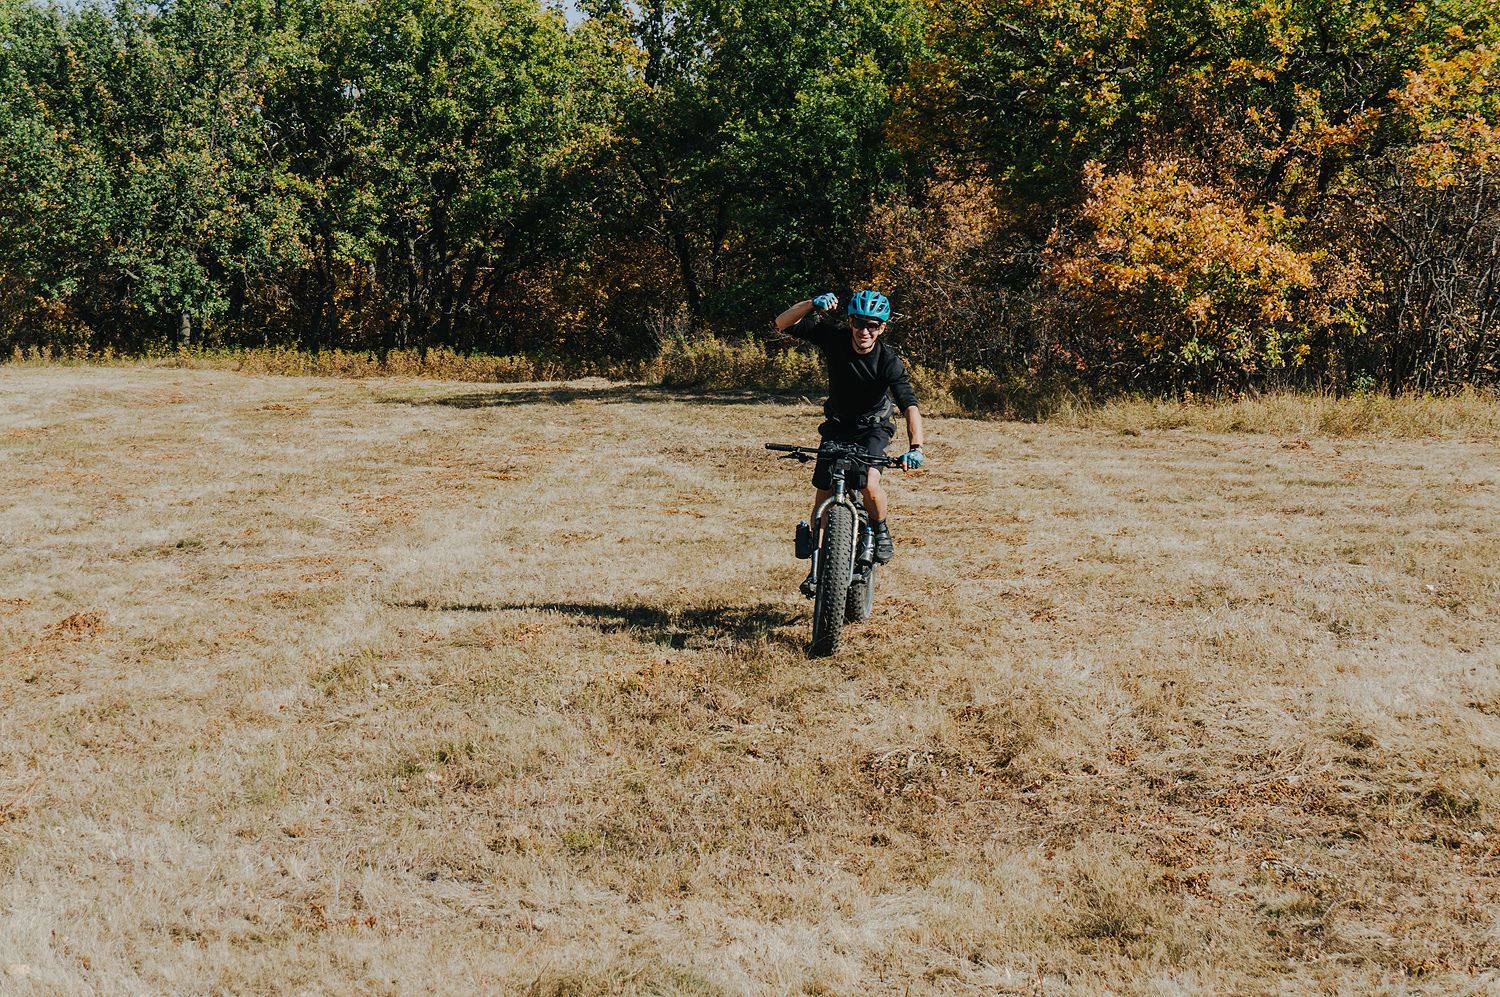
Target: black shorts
x: 874, y: 439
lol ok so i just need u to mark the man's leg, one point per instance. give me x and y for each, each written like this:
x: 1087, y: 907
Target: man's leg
x: 874, y: 496
x: 875, y: 505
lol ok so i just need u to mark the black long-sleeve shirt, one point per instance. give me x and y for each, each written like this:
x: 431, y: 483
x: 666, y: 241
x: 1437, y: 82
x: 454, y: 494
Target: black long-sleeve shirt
x: 857, y: 382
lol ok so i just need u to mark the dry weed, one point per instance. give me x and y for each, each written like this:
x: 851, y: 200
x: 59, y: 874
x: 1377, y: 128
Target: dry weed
x: 383, y: 686
x: 1296, y: 415
x: 716, y: 365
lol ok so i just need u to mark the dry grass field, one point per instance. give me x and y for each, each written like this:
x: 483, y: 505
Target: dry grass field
x: 328, y: 687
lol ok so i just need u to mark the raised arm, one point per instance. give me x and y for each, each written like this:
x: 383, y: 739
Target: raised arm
x: 793, y: 315
x: 799, y: 311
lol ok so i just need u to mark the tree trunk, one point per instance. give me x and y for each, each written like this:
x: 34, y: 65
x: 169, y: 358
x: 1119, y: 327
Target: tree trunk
x: 328, y: 323
x: 415, y: 285
x: 680, y: 244
x: 445, y: 266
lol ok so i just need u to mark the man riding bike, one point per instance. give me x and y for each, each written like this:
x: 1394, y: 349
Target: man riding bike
x: 864, y: 374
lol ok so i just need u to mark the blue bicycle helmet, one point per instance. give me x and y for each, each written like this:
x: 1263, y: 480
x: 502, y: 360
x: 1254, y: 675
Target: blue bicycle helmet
x: 870, y: 304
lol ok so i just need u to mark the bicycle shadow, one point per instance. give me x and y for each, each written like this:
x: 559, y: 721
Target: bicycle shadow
x: 692, y: 628
x: 565, y: 394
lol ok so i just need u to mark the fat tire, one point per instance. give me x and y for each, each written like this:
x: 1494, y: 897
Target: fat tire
x: 834, y: 570
x: 861, y: 598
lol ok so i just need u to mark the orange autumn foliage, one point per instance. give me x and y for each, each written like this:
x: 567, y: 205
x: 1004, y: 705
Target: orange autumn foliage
x: 1179, y: 274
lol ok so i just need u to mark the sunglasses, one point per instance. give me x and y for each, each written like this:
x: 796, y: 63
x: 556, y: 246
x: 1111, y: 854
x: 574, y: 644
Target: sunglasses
x: 865, y: 323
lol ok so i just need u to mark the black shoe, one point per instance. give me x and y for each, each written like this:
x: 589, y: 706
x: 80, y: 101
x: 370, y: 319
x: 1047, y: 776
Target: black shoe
x: 804, y: 541
x: 865, y: 552
x: 885, y: 549
x: 809, y: 586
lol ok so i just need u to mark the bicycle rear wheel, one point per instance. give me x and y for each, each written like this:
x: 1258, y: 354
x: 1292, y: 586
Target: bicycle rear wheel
x: 835, y: 564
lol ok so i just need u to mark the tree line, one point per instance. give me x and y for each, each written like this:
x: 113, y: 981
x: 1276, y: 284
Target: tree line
x: 1114, y: 193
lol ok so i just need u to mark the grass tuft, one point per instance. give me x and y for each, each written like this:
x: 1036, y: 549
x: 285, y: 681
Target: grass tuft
x: 628, y: 977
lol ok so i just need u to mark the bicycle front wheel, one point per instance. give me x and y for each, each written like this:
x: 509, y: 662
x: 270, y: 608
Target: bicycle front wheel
x: 861, y: 598
x: 835, y: 565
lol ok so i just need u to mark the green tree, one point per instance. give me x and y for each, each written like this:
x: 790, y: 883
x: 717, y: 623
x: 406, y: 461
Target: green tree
x: 221, y: 164
x: 56, y: 192
x: 1279, y: 95
x: 754, y: 144
x: 467, y: 116
x: 139, y: 189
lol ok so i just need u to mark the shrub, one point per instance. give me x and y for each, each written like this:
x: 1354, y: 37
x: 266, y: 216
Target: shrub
x: 1174, y: 275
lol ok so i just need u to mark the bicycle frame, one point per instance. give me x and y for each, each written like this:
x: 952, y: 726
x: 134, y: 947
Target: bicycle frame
x: 846, y: 456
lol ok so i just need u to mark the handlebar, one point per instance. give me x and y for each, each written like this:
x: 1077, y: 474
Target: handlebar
x: 852, y: 451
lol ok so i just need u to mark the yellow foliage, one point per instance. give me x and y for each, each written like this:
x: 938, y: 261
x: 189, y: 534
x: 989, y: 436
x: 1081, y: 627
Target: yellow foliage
x: 1188, y: 275
x: 1450, y: 106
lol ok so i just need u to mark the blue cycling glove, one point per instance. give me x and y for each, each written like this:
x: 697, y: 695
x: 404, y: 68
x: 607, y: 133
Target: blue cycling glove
x: 912, y: 459
x: 826, y: 302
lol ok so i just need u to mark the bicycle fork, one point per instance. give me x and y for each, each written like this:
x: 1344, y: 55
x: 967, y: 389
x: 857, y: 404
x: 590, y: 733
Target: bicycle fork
x: 839, y: 497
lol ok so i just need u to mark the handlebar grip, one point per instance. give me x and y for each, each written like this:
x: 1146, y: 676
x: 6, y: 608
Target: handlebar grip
x: 782, y: 446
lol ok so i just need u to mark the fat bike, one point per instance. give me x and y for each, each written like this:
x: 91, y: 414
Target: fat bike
x: 842, y: 581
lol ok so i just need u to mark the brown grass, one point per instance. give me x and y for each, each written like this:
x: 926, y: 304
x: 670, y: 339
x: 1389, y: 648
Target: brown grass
x: 380, y: 686
x: 704, y: 364
x: 711, y: 364
x: 1296, y: 414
